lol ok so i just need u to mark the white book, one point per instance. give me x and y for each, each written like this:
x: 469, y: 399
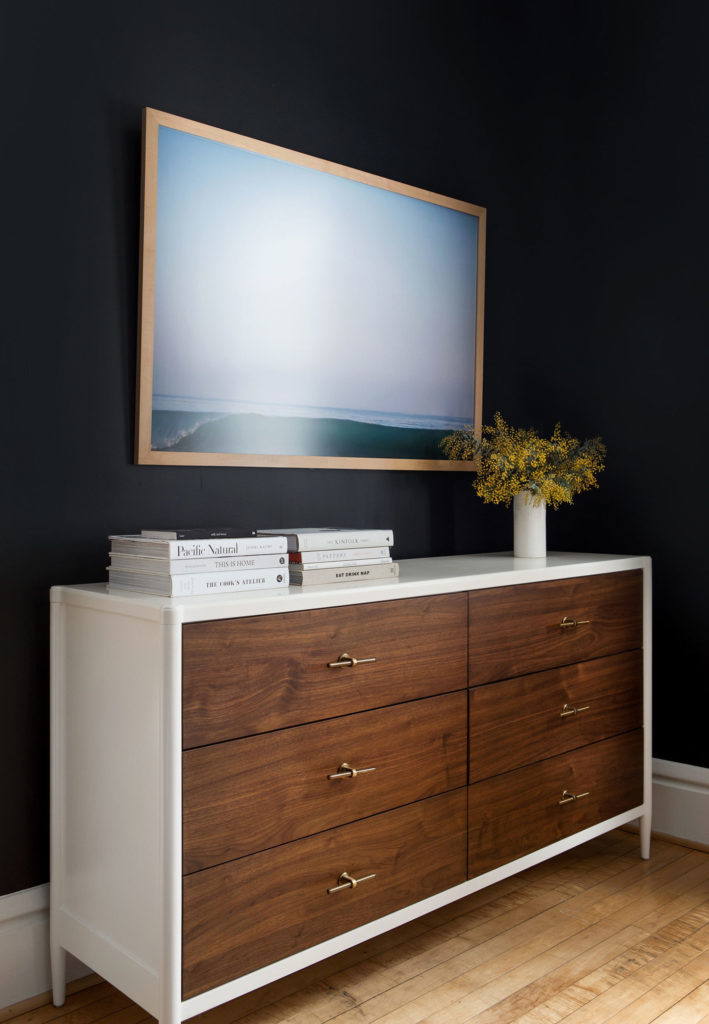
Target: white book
x: 199, y: 583
x: 309, y: 567
x: 170, y: 566
x: 342, y: 574
x: 323, y: 538
x: 336, y: 555
x: 136, y: 544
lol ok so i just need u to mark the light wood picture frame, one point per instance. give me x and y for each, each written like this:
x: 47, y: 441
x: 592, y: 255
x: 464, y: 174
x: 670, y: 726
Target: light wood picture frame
x: 295, y: 312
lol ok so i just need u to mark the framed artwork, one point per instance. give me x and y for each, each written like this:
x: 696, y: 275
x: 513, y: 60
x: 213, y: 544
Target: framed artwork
x: 296, y: 312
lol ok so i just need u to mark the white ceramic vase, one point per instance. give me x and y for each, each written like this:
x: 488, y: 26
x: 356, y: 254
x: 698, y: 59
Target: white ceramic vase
x: 530, y: 527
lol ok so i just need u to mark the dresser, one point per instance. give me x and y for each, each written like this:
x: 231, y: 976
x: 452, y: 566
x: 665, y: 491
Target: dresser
x: 244, y: 785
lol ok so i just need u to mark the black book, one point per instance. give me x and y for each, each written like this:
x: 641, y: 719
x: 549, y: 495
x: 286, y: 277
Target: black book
x: 196, y: 533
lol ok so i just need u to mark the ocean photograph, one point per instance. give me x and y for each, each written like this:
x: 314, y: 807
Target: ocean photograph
x: 299, y: 313
x: 319, y: 432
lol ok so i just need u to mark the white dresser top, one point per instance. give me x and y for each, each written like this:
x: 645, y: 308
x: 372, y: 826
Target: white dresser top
x: 418, y: 577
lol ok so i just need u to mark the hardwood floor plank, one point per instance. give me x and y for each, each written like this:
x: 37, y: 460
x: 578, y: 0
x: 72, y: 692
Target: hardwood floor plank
x: 525, y: 988
x: 462, y: 980
x: 653, y: 914
x: 640, y: 879
x: 690, y: 1010
x: 572, y: 987
x: 503, y: 916
x: 44, y: 1000
x: 608, y: 992
x: 48, y: 1012
x: 130, y: 1015
x: 90, y: 1005
x: 680, y: 1008
x: 510, y: 1011
x: 683, y: 997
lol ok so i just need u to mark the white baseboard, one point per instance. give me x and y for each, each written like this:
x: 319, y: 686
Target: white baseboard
x: 680, y: 794
x: 680, y: 801
x: 24, y: 946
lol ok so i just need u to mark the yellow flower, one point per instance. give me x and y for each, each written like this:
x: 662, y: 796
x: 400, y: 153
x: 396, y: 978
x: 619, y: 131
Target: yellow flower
x: 512, y: 459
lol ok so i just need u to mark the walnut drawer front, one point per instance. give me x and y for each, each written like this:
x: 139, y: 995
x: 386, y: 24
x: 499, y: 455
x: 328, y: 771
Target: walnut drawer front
x: 518, y: 721
x: 250, y: 912
x: 252, y: 675
x: 521, y: 811
x: 416, y: 749
x: 535, y: 626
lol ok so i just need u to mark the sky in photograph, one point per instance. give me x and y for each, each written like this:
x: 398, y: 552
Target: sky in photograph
x: 277, y: 283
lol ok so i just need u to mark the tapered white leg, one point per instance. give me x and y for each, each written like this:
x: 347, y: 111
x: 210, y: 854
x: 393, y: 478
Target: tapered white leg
x: 57, y: 957
x: 645, y: 836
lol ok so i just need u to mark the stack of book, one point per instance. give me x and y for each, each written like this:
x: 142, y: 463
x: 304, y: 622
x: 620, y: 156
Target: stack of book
x: 330, y: 555
x: 189, y: 563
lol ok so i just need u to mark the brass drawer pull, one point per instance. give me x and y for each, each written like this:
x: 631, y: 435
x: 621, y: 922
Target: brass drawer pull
x: 345, y: 771
x: 346, y: 881
x: 568, y: 710
x: 567, y: 623
x: 347, y: 661
x: 570, y: 798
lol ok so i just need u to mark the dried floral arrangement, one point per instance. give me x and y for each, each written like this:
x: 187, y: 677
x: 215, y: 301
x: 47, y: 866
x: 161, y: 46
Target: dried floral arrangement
x: 511, y: 460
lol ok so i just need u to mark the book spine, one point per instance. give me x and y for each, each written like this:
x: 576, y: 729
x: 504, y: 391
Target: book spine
x: 340, y: 563
x: 328, y: 541
x: 332, y: 574
x: 222, y: 548
x: 225, y: 548
x: 167, y: 566
x: 318, y: 557
x: 199, y: 584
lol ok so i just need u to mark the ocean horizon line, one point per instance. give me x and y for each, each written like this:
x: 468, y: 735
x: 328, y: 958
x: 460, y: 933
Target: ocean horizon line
x: 216, y: 408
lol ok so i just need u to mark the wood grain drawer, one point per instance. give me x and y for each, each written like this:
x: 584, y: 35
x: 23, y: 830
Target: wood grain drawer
x: 252, y: 675
x: 417, y: 749
x: 518, y: 812
x: 519, y: 721
x: 516, y: 630
x: 253, y: 911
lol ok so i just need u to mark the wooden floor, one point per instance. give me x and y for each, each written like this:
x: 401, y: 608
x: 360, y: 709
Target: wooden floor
x: 593, y: 936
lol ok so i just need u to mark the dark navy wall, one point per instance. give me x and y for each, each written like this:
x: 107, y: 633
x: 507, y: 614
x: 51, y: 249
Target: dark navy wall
x: 581, y: 130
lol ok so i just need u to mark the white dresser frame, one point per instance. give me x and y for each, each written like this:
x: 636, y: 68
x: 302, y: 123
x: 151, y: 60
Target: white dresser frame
x: 116, y: 757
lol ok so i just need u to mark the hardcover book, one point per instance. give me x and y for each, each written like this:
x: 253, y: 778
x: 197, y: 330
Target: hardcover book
x: 167, y: 566
x: 137, y: 544
x: 321, y: 538
x: 308, y: 567
x: 343, y: 574
x: 193, y: 533
x: 199, y: 584
x: 339, y: 555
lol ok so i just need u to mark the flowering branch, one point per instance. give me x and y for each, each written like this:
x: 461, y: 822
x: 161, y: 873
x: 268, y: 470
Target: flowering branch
x: 511, y: 460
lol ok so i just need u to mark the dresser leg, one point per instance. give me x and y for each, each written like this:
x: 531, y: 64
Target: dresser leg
x: 57, y: 957
x: 645, y: 836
